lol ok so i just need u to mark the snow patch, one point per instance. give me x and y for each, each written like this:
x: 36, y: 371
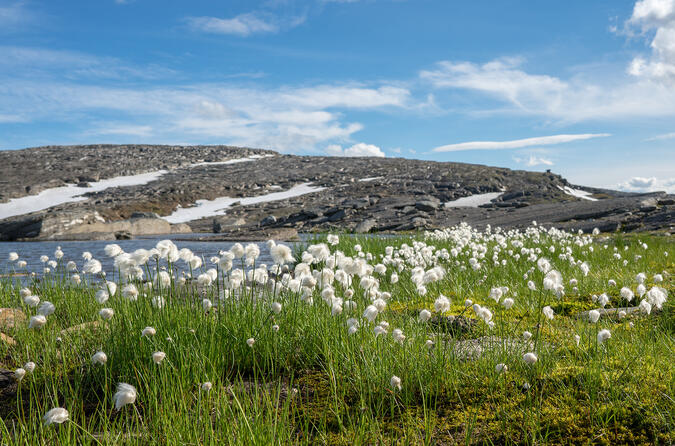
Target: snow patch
x: 578, y: 193
x: 364, y: 180
x: 219, y: 206
x: 233, y: 161
x: 473, y: 201
x: 71, y: 193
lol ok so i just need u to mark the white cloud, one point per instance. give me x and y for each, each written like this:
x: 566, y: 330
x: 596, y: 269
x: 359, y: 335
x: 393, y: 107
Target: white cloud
x: 573, y: 100
x: 657, y: 16
x: 287, y: 119
x: 533, y: 161
x: 359, y: 149
x: 650, y: 184
x: 517, y: 143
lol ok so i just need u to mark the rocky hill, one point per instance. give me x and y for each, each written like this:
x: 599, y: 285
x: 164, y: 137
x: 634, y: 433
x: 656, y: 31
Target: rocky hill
x: 75, y: 192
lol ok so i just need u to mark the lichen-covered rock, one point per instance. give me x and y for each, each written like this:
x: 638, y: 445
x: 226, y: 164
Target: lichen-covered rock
x: 11, y: 318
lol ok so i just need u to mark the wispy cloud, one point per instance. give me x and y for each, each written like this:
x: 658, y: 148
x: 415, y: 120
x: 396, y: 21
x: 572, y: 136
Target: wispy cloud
x: 241, y: 25
x: 662, y: 137
x: 19, y: 60
x: 245, y: 24
x: 14, y: 14
x: 517, y: 143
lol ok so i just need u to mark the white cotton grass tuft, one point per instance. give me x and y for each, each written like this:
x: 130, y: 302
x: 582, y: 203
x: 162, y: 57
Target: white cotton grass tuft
x: 99, y: 358
x: 501, y: 368
x: 19, y: 374
x: 57, y: 415
x: 395, y: 382
x: 46, y: 308
x: 37, y: 321
x: 25, y: 292
x: 442, y: 304
x: 250, y: 342
x: 627, y: 293
x: 102, y: 296
x: 276, y: 307
x: 425, y: 315
x: 206, y: 305
x: 106, y: 313
x: 370, y: 313
x: 527, y: 335
x: 158, y: 357
x: 148, y: 331
x: 645, y: 307
x: 593, y: 316
x: 125, y: 394
x: 130, y: 292
x: 31, y: 301
x: 548, y: 312
x: 112, y: 250
x: 92, y: 266
x: 603, y: 335
x: 398, y: 335
x: 29, y: 366
x: 206, y: 386
x: 530, y: 358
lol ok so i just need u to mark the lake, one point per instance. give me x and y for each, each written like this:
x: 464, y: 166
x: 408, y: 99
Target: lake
x: 32, y: 251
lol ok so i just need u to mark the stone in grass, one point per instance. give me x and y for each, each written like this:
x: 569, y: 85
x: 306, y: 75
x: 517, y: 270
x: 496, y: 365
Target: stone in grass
x: 84, y: 327
x: 7, y: 340
x: 8, y: 384
x: 11, y: 317
x: 471, y: 349
x: 609, y: 312
x: 455, y: 325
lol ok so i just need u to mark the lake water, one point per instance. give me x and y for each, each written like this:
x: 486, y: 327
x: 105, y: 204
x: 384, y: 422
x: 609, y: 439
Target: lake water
x: 32, y: 251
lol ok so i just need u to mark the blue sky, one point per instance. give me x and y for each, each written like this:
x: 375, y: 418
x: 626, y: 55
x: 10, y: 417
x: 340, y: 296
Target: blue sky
x: 586, y: 89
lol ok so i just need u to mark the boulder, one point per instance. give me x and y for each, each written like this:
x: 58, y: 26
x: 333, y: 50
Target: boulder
x: 7, y: 340
x: 365, y: 226
x: 427, y: 205
x: 269, y: 220
x: 11, y: 318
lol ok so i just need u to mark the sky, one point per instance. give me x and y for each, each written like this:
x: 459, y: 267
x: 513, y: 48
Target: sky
x: 584, y: 88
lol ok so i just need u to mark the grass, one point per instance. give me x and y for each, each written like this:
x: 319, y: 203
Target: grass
x: 312, y: 382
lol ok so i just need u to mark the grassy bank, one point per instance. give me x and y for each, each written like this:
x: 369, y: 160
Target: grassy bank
x: 355, y: 344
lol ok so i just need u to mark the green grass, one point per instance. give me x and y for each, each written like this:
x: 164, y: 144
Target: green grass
x: 311, y: 382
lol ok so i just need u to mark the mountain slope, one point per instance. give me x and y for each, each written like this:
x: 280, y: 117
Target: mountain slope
x: 242, y: 191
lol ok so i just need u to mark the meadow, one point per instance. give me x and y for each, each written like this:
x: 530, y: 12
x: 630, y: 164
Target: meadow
x: 457, y: 336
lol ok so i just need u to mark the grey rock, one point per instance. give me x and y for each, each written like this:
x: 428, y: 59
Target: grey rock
x: 614, y: 312
x: 269, y: 220
x: 471, y: 349
x: 365, y: 226
x: 427, y: 205
x: 144, y: 215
